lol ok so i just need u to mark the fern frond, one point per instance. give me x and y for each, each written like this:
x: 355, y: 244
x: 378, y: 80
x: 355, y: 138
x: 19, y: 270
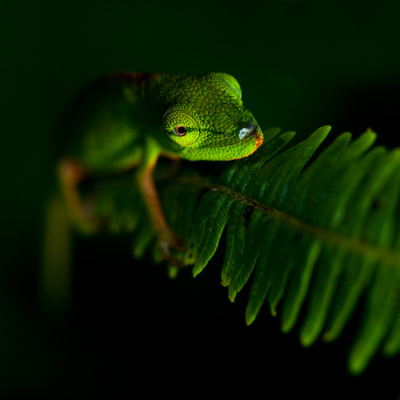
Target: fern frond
x: 317, y: 233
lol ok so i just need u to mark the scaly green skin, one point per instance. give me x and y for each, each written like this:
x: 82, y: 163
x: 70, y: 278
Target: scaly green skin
x: 210, y: 106
x: 130, y: 119
x: 110, y: 124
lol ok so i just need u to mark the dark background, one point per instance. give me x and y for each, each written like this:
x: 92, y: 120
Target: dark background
x: 301, y: 64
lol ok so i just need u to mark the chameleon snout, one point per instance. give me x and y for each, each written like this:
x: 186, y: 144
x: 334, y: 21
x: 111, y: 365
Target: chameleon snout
x: 254, y: 132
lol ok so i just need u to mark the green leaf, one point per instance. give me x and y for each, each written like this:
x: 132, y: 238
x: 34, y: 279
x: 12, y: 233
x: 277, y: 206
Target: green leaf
x: 317, y: 233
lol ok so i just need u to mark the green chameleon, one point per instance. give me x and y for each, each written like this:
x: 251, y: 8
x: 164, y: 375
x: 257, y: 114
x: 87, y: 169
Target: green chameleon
x: 130, y: 119
x: 126, y: 121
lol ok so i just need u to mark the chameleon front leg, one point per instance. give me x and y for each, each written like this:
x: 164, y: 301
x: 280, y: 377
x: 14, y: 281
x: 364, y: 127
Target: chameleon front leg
x: 71, y: 173
x: 168, y: 240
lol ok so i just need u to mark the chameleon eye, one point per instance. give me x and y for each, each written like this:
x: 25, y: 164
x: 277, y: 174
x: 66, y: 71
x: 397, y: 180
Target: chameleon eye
x: 180, y: 130
x: 181, y: 127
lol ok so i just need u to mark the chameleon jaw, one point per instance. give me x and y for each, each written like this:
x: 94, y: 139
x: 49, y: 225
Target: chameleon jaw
x: 259, y: 141
x: 253, y: 133
x: 238, y: 148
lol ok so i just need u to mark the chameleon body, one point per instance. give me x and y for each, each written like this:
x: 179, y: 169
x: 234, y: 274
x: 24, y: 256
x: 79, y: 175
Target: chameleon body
x: 129, y: 119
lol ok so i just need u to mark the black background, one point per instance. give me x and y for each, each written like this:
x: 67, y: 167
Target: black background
x: 301, y: 64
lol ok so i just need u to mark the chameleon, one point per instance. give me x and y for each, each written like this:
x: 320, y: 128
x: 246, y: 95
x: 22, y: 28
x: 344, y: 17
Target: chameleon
x: 129, y: 119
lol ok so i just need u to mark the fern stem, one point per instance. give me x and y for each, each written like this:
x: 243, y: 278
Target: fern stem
x: 353, y: 245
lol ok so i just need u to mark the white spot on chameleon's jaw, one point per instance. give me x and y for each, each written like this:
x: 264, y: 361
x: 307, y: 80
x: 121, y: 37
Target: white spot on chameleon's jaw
x: 243, y: 132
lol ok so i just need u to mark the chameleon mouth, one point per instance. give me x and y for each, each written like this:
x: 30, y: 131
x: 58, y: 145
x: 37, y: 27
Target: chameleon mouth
x: 250, y: 139
x: 259, y: 140
x: 252, y: 131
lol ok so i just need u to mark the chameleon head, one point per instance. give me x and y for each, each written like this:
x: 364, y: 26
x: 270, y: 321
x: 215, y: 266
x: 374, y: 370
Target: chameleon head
x: 206, y: 119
